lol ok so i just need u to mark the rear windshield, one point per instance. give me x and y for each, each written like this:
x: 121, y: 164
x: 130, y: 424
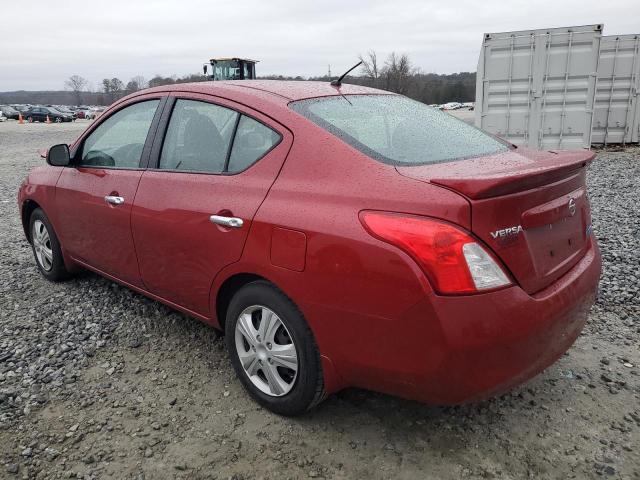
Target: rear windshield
x: 397, y: 130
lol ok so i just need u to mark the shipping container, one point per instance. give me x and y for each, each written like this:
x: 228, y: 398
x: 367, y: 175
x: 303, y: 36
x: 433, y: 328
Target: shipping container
x: 616, y: 115
x: 536, y: 87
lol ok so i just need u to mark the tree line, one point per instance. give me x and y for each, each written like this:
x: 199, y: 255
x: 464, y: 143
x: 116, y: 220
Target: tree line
x: 396, y: 73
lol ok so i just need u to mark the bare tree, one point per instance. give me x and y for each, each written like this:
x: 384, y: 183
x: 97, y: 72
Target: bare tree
x: 398, y: 73
x: 136, y: 83
x: 106, y: 85
x: 112, y: 88
x: 370, y: 67
x: 76, y: 84
x: 116, y: 85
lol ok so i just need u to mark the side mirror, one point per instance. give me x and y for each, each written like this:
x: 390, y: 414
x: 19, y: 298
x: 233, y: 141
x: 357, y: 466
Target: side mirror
x: 58, y: 155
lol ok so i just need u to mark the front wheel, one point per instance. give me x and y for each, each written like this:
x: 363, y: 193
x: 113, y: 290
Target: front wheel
x: 272, y: 350
x: 46, y: 247
x: 30, y: 119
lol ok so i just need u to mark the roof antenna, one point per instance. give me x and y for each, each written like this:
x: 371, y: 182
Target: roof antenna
x: 338, y: 82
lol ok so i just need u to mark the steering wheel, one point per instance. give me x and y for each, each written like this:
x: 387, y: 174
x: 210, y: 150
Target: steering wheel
x: 129, y: 154
x: 97, y: 158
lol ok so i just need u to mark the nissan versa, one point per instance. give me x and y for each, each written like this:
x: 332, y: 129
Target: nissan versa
x: 340, y: 236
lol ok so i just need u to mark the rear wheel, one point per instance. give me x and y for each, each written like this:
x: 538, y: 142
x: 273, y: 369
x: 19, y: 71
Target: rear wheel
x: 58, y: 119
x: 46, y: 247
x: 272, y: 350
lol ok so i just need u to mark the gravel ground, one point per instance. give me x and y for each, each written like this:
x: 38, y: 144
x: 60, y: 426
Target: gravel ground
x: 99, y: 382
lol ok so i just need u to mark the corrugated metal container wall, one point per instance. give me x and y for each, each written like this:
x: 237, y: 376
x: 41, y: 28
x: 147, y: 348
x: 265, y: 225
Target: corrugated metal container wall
x: 536, y: 87
x: 616, y: 115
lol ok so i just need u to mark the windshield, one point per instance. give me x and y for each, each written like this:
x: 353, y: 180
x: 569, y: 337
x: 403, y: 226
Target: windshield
x: 226, y: 70
x: 397, y: 130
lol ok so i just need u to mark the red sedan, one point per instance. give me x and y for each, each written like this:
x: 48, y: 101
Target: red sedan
x: 340, y: 235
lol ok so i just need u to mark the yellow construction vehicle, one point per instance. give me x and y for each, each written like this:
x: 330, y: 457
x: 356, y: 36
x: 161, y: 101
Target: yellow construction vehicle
x: 230, y: 69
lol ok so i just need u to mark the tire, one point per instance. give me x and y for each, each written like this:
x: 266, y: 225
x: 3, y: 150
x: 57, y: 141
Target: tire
x: 45, y: 243
x: 292, y: 392
x: 58, y: 120
x: 30, y: 119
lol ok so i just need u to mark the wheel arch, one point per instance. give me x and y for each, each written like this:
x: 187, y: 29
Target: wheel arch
x: 28, y: 207
x: 228, y: 289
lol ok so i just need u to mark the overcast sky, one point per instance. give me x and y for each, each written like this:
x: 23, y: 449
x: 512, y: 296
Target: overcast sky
x: 44, y: 42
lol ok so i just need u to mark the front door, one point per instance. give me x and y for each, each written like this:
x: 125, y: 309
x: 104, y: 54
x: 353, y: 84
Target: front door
x: 96, y: 194
x: 39, y: 115
x: 216, y: 160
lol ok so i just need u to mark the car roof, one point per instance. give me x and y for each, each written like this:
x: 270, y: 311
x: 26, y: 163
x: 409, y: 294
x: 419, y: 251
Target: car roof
x: 222, y: 59
x: 288, y: 90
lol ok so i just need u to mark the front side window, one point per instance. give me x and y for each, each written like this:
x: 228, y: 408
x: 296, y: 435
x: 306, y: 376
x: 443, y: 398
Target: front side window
x: 248, y: 70
x: 198, y: 137
x: 397, y: 130
x: 118, y: 141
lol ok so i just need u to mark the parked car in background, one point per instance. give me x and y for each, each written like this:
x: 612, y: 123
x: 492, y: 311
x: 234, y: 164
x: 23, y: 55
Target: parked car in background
x: 85, y: 114
x: 63, y: 109
x: 341, y: 236
x: 23, y: 109
x: 9, y: 112
x: 451, y: 106
x: 40, y: 114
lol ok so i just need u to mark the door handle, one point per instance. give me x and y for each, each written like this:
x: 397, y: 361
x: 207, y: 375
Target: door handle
x: 114, y: 200
x: 231, y: 222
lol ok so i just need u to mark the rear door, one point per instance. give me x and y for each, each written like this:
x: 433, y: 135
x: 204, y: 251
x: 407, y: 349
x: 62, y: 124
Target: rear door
x: 95, y: 196
x: 217, y: 159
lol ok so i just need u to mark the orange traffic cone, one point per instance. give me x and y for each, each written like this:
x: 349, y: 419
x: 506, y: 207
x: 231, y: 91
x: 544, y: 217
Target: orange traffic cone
x: 20, y: 119
x: 48, y: 121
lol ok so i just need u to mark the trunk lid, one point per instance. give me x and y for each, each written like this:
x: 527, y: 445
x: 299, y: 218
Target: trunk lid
x: 530, y: 207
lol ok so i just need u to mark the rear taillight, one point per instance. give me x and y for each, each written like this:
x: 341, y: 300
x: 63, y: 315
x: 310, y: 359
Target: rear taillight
x: 453, y: 261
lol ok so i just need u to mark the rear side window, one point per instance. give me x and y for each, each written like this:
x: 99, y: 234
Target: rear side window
x: 252, y: 141
x: 118, y: 141
x: 397, y: 130
x: 198, y: 137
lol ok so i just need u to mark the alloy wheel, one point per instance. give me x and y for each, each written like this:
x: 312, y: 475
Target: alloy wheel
x: 42, y: 245
x: 266, y: 350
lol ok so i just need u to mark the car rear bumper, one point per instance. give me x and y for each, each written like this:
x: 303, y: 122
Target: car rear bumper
x: 452, y: 350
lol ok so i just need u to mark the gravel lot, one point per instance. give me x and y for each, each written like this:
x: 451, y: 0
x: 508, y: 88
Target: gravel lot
x: 99, y: 382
